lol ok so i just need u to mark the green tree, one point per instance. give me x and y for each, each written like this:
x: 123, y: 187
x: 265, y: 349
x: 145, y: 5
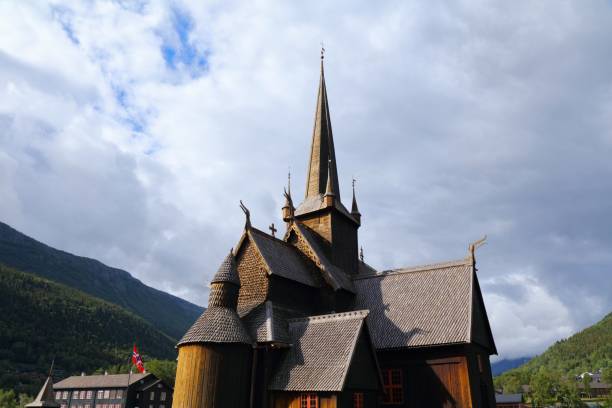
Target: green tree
x: 568, y: 394
x: 7, y: 399
x: 544, y: 385
x: 512, y: 385
x: 163, y: 369
x: 606, y: 375
x: 586, y: 384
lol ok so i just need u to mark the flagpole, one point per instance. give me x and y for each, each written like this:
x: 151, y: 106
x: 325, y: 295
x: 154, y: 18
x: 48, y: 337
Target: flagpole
x: 127, y: 390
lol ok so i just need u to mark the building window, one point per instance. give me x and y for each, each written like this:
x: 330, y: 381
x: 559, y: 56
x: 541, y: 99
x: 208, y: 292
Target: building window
x: 106, y: 394
x: 89, y: 394
x: 83, y: 394
x: 113, y: 394
x: 119, y: 393
x: 63, y: 406
x: 75, y: 395
x: 393, y: 386
x: 358, y: 400
x: 100, y: 394
x: 162, y: 396
x: 309, y: 400
x: 58, y: 395
x: 152, y: 395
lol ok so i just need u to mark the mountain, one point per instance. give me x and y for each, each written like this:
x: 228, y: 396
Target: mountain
x: 168, y: 313
x: 587, y: 350
x: 504, y: 365
x: 42, y: 320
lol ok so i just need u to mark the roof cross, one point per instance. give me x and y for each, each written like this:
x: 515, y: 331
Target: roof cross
x: 272, y: 229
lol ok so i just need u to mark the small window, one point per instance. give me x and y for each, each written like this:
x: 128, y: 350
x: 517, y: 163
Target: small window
x: 309, y: 400
x: 75, y: 395
x: 58, y: 395
x: 119, y: 393
x: 83, y: 394
x: 113, y: 394
x: 162, y: 396
x: 152, y: 395
x: 89, y: 394
x: 106, y: 394
x: 100, y: 394
x: 358, y: 400
x: 392, y: 386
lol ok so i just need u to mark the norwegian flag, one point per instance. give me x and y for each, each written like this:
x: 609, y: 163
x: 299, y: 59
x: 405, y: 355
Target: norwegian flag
x: 137, y: 361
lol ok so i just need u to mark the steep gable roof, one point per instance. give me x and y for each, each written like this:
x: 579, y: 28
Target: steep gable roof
x: 280, y: 258
x: 45, y: 397
x: 267, y: 322
x: 333, y: 275
x: 421, y: 306
x: 321, y: 352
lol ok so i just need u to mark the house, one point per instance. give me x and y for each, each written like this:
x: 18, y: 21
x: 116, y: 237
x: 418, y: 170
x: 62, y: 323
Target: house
x: 510, y: 401
x: 113, y: 391
x: 302, y: 321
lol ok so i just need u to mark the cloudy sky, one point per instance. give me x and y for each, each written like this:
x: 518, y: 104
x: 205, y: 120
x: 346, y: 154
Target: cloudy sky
x: 129, y: 131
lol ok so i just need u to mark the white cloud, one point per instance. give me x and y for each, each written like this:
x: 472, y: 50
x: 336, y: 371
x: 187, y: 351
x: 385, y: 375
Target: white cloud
x: 458, y: 119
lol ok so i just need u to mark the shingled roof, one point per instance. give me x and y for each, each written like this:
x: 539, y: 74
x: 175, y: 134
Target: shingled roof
x: 217, y: 325
x: 99, y: 381
x: 281, y: 258
x: 227, y: 271
x: 421, y: 306
x: 321, y: 352
x: 333, y: 275
x: 45, y: 397
x: 268, y: 322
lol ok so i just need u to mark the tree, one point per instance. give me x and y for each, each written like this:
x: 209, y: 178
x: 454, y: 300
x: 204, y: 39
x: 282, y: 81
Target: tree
x: 606, y: 375
x: 512, y: 385
x: 568, y: 394
x: 163, y: 369
x: 7, y: 399
x: 544, y: 386
x: 586, y: 384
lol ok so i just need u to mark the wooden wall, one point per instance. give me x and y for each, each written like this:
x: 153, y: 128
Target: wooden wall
x: 434, y: 378
x: 292, y: 400
x: 212, y: 375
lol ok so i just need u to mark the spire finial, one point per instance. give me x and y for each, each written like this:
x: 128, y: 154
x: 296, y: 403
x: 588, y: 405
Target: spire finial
x: 289, y: 181
x: 361, y: 254
x: 354, y: 209
x: 329, y: 189
x: 322, y: 51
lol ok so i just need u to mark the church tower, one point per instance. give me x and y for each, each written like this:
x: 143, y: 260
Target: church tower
x: 322, y: 209
x: 214, y: 356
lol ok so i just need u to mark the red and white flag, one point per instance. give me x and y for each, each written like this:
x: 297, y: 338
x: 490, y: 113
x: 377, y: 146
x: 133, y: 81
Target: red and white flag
x: 137, y: 361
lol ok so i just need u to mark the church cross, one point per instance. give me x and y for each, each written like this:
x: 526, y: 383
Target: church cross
x: 272, y: 229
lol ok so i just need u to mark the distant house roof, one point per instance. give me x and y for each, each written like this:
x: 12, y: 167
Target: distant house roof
x: 422, y: 306
x: 217, y: 325
x: 321, y: 352
x: 508, y: 398
x: 100, y: 381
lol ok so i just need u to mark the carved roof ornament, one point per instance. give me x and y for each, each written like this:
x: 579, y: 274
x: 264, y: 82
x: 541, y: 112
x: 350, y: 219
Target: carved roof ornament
x: 473, y: 247
x: 247, y: 213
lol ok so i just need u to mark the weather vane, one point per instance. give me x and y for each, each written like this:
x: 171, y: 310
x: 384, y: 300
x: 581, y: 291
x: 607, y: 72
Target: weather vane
x: 322, y: 50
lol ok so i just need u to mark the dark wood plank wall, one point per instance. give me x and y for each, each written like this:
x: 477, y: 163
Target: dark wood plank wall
x: 433, y: 378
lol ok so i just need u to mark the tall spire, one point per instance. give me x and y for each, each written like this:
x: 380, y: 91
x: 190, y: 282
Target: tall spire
x: 45, y: 397
x: 354, y: 209
x: 322, y: 147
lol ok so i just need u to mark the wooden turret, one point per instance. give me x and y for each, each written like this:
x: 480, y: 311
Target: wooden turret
x: 214, y: 361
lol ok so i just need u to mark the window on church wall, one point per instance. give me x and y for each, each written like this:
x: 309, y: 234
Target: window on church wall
x: 393, y: 386
x: 309, y: 400
x: 358, y: 400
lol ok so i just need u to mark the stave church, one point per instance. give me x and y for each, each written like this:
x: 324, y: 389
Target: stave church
x: 303, y: 322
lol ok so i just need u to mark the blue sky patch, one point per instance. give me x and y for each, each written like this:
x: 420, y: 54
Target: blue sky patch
x: 177, y: 49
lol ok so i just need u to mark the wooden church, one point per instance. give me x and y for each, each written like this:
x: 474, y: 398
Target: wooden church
x: 304, y: 322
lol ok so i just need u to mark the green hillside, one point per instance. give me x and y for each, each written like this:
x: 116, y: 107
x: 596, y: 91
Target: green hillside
x: 168, y: 313
x: 588, y: 350
x: 40, y: 320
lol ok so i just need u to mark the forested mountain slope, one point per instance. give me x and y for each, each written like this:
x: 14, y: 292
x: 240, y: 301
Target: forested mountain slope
x: 168, y: 313
x: 41, y: 320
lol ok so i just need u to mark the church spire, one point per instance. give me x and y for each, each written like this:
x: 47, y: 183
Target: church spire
x: 322, y: 147
x: 354, y: 210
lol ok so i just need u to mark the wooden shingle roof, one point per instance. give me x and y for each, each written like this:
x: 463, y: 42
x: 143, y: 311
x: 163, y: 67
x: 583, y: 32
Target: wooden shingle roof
x: 422, y: 306
x: 321, y: 351
x: 217, y: 325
